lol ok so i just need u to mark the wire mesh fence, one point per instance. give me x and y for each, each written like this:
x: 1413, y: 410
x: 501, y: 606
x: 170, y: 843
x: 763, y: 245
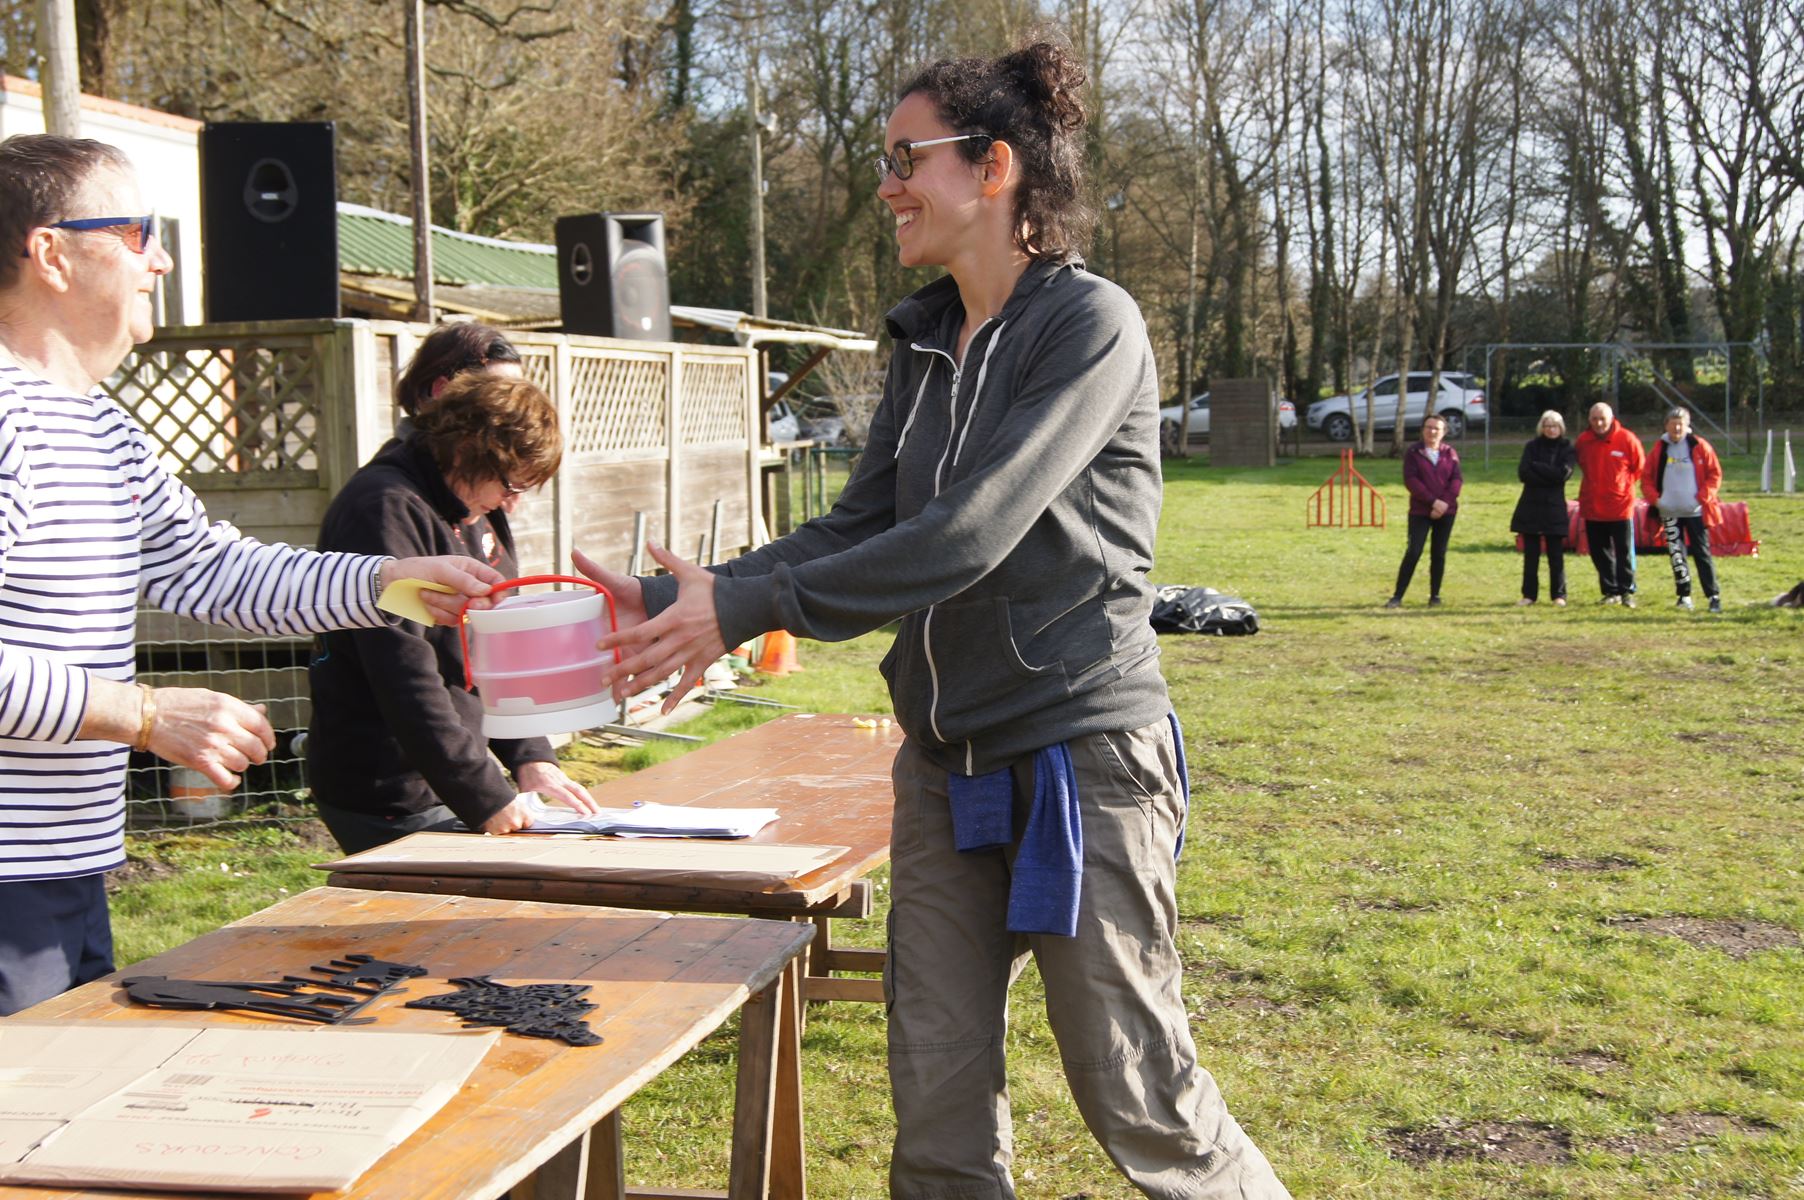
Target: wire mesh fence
x: 267, y: 671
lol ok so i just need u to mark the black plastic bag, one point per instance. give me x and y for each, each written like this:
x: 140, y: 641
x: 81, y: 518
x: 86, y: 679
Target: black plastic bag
x: 1180, y: 608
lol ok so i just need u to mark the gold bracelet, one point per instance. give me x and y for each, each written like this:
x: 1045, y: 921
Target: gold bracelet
x: 147, y: 716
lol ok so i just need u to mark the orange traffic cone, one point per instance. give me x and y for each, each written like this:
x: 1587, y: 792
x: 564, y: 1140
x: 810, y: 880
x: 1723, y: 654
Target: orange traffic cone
x: 779, y: 657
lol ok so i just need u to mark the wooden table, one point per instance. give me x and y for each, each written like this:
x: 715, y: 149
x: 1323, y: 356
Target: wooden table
x: 829, y: 781
x: 536, y: 1113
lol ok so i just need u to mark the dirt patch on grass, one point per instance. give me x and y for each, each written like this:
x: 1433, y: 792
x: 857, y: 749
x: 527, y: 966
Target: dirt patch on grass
x: 1390, y: 904
x: 1518, y: 1142
x: 1680, y: 1131
x: 1714, y: 737
x: 136, y: 871
x: 1252, y: 1004
x: 1737, y: 939
x: 1607, y: 862
x: 1593, y: 1062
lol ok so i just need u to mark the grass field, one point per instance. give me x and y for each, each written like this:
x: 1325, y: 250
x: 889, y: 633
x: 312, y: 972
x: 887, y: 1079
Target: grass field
x: 1479, y: 902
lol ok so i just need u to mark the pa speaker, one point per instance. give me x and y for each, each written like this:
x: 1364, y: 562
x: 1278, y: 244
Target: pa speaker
x: 611, y: 280
x: 269, y: 220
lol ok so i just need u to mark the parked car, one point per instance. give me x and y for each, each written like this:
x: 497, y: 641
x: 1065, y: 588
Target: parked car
x: 1460, y: 401
x: 794, y: 422
x: 1172, y: 415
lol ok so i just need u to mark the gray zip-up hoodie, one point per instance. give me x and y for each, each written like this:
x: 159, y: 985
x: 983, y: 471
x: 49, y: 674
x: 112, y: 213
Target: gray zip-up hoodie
x: 1005, y: 511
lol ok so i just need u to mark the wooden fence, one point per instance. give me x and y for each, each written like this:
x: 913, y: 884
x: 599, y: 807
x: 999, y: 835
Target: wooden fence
x: 266, y: 421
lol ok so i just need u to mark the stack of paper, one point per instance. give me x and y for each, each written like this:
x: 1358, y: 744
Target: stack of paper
x: 654, y: 820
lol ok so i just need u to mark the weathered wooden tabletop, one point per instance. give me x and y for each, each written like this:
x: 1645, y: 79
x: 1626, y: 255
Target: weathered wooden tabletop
x: 660, y: 983
x: 828, y: 779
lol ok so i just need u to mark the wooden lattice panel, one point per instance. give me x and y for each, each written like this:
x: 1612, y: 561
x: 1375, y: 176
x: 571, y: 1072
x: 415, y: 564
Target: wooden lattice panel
x: 536, y: 365
x: 714, y: 407
x: 239, y: 409
x: 616, y: 404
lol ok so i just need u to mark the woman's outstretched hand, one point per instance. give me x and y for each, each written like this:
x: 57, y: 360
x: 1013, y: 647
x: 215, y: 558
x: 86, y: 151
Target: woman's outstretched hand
x: 684, y: 637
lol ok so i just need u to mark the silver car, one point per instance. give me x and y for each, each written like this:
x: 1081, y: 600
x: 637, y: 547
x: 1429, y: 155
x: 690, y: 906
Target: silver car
x: 1171, y: 415
x: 1461, y: 402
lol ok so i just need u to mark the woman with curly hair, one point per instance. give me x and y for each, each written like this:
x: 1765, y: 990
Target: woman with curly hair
x: 396, y: 744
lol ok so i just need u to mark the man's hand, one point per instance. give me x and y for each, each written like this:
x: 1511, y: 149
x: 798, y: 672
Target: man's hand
x: 1437, y: 509
x: 467, y: 578
x: 684, y: 637
x: 555, y: 787
x: 218, y: 735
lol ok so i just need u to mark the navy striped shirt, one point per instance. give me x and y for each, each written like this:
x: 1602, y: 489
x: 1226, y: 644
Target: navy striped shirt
x: 89, y: 521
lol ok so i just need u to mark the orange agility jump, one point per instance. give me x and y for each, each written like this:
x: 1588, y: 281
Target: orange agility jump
x: 1346, y: 500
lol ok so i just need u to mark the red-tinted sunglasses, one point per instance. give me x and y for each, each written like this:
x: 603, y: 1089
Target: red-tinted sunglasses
x: 139, y: 231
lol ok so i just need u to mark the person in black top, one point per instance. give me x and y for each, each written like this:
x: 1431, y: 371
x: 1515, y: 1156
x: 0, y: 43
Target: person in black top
x: 396, y: 742
x: 1540, y: 515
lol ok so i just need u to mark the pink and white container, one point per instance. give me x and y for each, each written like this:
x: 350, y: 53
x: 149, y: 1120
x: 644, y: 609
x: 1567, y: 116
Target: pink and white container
x: 534, y: 662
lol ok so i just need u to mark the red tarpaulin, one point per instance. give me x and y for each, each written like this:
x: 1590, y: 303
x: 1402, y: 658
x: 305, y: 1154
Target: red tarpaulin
x: 1731, y: 539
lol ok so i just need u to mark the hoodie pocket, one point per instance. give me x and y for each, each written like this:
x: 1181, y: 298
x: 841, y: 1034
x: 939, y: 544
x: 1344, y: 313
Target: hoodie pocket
x: 986, y: 676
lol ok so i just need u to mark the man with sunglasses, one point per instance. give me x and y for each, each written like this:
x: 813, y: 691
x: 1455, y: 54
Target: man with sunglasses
x: 89, y: 522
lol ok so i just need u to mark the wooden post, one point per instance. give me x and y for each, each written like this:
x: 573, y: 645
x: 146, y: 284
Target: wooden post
x: 422, y: 185
x: 673, y: 447
x: 62, y: 69
x: 563, y: 496
x: 754, y: 470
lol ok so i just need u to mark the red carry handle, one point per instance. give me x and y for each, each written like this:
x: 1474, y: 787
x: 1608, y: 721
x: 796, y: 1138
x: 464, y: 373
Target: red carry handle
x: 463, y: 624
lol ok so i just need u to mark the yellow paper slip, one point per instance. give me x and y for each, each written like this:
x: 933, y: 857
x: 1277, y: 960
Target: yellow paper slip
x: 402, y: 597
x: 581, y: 858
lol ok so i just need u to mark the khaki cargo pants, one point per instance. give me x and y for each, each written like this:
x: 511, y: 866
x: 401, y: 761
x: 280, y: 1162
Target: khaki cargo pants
x: 1112, y: 992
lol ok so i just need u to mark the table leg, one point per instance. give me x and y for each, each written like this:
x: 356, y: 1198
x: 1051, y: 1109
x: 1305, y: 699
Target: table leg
x: 824, y: 959
x: 593, y: 1167
x: 754, y: 1092
x: 788, y: 1169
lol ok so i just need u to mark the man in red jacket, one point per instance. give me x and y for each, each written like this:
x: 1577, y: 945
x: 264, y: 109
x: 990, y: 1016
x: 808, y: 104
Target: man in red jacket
x: 1611, y: 458
x: 1680, y: 482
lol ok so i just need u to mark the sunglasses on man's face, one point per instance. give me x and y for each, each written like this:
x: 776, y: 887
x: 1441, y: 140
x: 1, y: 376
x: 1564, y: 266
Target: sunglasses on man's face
x: 900, y: 162
x: 136, y: 232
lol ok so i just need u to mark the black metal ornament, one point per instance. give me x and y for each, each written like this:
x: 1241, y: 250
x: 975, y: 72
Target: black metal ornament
x: 541, y: 1010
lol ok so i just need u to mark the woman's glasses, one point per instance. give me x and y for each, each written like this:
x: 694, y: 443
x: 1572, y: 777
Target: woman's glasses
x: 139, y: 232
x: 901, y: 161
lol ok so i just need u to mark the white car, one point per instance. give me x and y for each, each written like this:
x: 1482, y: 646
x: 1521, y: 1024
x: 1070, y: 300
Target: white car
x: 1172, y: 415
x: 788, y: 424
x: 1461, y: 402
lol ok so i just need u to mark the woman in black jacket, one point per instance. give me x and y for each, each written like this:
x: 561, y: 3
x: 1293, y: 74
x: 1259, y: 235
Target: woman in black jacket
x: 1541, y: 512
x: 396, y: 744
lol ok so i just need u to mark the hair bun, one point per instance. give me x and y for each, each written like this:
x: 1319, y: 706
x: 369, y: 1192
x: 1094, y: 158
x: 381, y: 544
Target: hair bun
x: 1052, y: 77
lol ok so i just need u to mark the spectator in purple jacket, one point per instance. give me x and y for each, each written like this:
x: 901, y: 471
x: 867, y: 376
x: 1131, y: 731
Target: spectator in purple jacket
x: 1431, y: 473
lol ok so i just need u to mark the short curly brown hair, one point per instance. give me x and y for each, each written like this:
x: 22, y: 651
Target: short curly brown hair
x: 484, y: 427
x: 1033, y: 100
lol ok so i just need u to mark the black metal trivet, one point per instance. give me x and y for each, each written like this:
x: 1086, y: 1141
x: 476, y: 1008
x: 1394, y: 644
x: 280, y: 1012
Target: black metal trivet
x: 541, y: 1010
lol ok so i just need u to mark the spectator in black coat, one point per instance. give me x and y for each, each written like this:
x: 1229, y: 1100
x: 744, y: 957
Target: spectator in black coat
x: 1540, y: 517
x: 396, y: 744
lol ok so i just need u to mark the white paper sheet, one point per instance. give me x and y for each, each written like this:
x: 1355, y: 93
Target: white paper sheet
x: 653, y: 820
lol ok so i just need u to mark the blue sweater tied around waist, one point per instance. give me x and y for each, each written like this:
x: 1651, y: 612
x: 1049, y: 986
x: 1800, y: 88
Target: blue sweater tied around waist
x: 1045, y: 885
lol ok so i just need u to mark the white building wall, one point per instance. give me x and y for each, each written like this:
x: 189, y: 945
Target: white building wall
x: 165, y: 150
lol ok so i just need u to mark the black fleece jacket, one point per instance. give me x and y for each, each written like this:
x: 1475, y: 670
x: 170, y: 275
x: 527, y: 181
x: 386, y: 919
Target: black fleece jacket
x: 394, y: 729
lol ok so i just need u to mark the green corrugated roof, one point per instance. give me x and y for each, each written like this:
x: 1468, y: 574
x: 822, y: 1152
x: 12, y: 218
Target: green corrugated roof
x: 372, y: 242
